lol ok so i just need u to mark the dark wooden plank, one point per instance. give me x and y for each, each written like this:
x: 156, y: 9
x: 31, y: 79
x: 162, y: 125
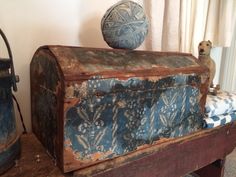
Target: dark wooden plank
x: 172, y: 158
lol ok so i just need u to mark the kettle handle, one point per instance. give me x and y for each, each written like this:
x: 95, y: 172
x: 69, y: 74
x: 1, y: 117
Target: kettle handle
x: 14, y: 77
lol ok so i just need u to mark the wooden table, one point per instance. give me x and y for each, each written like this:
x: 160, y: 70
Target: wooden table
x: 204, y: 150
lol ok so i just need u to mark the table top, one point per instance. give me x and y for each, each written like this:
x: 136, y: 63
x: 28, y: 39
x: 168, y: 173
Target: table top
x: 171, y: 157
x: 34, y: 161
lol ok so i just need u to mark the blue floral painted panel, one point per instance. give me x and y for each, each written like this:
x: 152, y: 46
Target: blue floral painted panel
x: 115, y: 116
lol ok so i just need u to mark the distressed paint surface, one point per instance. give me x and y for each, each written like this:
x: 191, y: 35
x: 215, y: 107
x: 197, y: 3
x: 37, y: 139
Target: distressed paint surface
x: 90, y: 104
x: 8, y: 134
x: 45, y: 84
x: 8, y: 156
x: 115, y: 117
x: 80, y: 61
x: 7, y: 117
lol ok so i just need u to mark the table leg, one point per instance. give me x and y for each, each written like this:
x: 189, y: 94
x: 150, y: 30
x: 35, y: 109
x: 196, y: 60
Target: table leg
x: 215, y: 169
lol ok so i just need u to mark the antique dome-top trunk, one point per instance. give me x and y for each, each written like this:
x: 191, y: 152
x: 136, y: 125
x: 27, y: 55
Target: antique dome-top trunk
x: 90, y: 105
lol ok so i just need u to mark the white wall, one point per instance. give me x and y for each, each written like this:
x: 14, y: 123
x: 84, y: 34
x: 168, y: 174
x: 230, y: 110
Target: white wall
x: 29, y: 24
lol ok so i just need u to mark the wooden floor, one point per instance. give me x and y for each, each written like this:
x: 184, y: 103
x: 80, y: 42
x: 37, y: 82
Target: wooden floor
x: 171, y: 158
x: 230, y: 165
x: 34, y: 161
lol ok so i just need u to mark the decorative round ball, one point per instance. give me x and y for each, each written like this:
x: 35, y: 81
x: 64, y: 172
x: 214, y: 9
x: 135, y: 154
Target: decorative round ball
x: 124, y: 25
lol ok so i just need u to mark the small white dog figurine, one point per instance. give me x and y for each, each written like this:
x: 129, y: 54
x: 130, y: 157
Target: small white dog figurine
x: 204, y: 49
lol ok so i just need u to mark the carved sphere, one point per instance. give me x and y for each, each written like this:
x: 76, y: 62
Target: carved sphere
x: 124, y: 25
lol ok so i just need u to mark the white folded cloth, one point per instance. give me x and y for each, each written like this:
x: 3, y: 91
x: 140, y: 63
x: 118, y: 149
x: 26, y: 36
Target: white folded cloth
x: 223, y: 103
x: 222, y: 119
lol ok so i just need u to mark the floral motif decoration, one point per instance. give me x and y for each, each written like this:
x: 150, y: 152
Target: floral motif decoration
x: 128, y: 114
